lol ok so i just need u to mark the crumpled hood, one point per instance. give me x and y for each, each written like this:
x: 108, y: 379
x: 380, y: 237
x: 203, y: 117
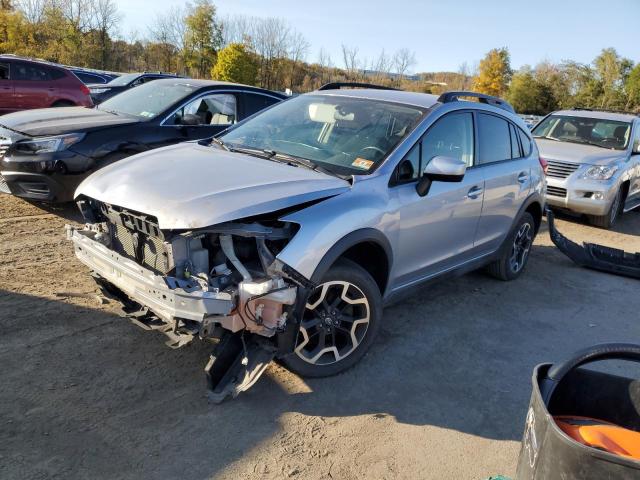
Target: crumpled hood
x: 576, y: 153
x: 189, y: 186
x: 58, y: 121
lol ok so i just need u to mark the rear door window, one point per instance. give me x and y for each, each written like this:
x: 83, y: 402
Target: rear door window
x: 253, y: 103
x: 494, y: 139
x: 31, y: 72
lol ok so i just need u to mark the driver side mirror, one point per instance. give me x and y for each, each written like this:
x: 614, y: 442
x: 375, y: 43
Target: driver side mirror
x: 440, y: 169
x: 636, y: 148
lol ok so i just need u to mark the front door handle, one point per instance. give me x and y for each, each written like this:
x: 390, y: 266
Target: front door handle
x: 474, y: 192
x: 523, y: 177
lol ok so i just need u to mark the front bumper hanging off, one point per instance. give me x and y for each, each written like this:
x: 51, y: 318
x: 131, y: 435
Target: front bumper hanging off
x: 594, y: 256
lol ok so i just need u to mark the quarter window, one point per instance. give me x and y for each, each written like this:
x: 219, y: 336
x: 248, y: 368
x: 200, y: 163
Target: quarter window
x: 451, y: 136
x: 409, y: 167
x: 515, y: 147
x: 216, y: 109
x: 494, y: 139
x: 526, y: 143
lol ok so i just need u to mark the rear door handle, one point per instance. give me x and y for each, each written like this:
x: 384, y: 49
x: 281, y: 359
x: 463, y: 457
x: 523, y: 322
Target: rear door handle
x: 474, y: 192
x: 523, y: 177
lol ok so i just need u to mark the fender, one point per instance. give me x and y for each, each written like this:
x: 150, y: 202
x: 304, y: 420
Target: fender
x: 348, y: 241
x: 286, y: 340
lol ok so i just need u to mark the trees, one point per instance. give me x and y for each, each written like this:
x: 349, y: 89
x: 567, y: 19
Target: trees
x: 530, y: 95
x: 236, y: 64
x: 632, y: 88
x: 203, y: 38
x: 494, y: 73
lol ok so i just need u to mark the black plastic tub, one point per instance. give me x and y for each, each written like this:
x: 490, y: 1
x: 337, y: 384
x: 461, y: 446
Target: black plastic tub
x: 547, y: 453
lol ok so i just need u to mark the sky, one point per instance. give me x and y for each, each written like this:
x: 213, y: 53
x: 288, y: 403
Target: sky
x: 443, y: 34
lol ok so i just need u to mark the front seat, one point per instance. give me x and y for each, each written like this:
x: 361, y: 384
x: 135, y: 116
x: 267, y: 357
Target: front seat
x: 620, y: 134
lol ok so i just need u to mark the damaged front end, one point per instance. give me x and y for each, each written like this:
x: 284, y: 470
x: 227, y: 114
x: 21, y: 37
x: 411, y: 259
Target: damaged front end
x: 594, y: 256
x: 222, y: 283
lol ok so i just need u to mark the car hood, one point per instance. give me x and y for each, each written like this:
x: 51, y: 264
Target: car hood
x: 576, y: 153
x: 189, y: 186
x: 57, y: 121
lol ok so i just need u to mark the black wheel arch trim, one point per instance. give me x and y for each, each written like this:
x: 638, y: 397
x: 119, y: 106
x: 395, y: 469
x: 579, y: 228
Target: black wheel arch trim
x: 535, y: 197
x: 352, y: 239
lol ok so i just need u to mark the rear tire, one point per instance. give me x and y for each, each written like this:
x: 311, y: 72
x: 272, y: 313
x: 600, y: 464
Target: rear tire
x: 340, y: 322
x: 607, y: 221
x: 515, y: 253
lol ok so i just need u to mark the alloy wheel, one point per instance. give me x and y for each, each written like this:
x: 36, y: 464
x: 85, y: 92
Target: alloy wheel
x: 335, y: 322
x: 521, y: 247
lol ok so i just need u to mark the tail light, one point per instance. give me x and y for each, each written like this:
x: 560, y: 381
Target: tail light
x: 544, y: 164
x: 84, y: 89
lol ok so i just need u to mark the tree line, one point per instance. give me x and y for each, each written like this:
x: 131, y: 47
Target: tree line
x: 194, y: 40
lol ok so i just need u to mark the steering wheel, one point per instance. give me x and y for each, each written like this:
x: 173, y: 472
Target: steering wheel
x: 379, y: 150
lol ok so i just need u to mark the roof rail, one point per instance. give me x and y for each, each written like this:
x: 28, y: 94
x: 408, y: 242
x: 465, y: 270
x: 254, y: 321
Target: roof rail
x: 627, y: 112
x: 339, y: 85
x: 482, y: 98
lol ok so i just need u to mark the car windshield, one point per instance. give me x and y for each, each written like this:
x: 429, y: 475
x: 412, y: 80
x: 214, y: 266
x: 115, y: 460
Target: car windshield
x: 148, y: 100
x: 599, y: 132
x: 341, y: 134
x: 123, y: 80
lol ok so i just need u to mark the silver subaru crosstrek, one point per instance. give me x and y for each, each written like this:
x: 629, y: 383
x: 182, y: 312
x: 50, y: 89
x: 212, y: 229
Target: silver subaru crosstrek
x: 593, y: 162
x: 285, y: 236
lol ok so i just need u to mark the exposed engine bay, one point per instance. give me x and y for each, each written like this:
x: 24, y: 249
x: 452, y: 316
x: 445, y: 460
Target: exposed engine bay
x: 208, y: 283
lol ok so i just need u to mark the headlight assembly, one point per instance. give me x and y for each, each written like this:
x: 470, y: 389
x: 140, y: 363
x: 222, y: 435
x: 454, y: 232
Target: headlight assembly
x: 599, y: 172
x: 48, y: 144
x: 99, y: 90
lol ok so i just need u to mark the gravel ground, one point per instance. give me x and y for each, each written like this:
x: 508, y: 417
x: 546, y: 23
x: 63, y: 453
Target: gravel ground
x: 442, y: 394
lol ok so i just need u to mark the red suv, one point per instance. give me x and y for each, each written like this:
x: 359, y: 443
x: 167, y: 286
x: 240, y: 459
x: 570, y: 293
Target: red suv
x: 26, y: 84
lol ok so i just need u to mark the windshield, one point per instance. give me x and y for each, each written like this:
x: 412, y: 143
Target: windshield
x: 123, y: 80
x: 599, y: 132
x: 148, y: 100
x: 343, y: 135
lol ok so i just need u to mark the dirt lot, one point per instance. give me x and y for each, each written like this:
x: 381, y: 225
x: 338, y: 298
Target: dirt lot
x: 442, y: 394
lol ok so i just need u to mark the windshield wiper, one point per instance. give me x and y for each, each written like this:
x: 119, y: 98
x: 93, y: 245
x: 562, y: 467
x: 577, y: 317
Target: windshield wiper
x: 298, y: 161
x: 112, y: 112
x: 587, y: 142
x: 547, y: 138
x: 252, y: 151
x: 219, y: 142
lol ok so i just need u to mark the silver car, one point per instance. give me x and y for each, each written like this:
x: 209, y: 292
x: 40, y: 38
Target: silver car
x: 286, y: 236
x: 593, y: 162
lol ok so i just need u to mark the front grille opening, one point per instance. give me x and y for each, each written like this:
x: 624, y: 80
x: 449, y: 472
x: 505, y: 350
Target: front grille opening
x: 146, y: 250
x: 556, y: 191
x: 557, y: 169
x: 4, y: 188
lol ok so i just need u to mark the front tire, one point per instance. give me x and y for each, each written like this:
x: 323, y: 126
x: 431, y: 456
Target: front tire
x: 340, y: 322
x: 609, y: 219
x: 515, y: 255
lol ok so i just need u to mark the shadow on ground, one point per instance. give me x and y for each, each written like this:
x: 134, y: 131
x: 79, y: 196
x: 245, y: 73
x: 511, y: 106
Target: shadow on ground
x: 84, y: 387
